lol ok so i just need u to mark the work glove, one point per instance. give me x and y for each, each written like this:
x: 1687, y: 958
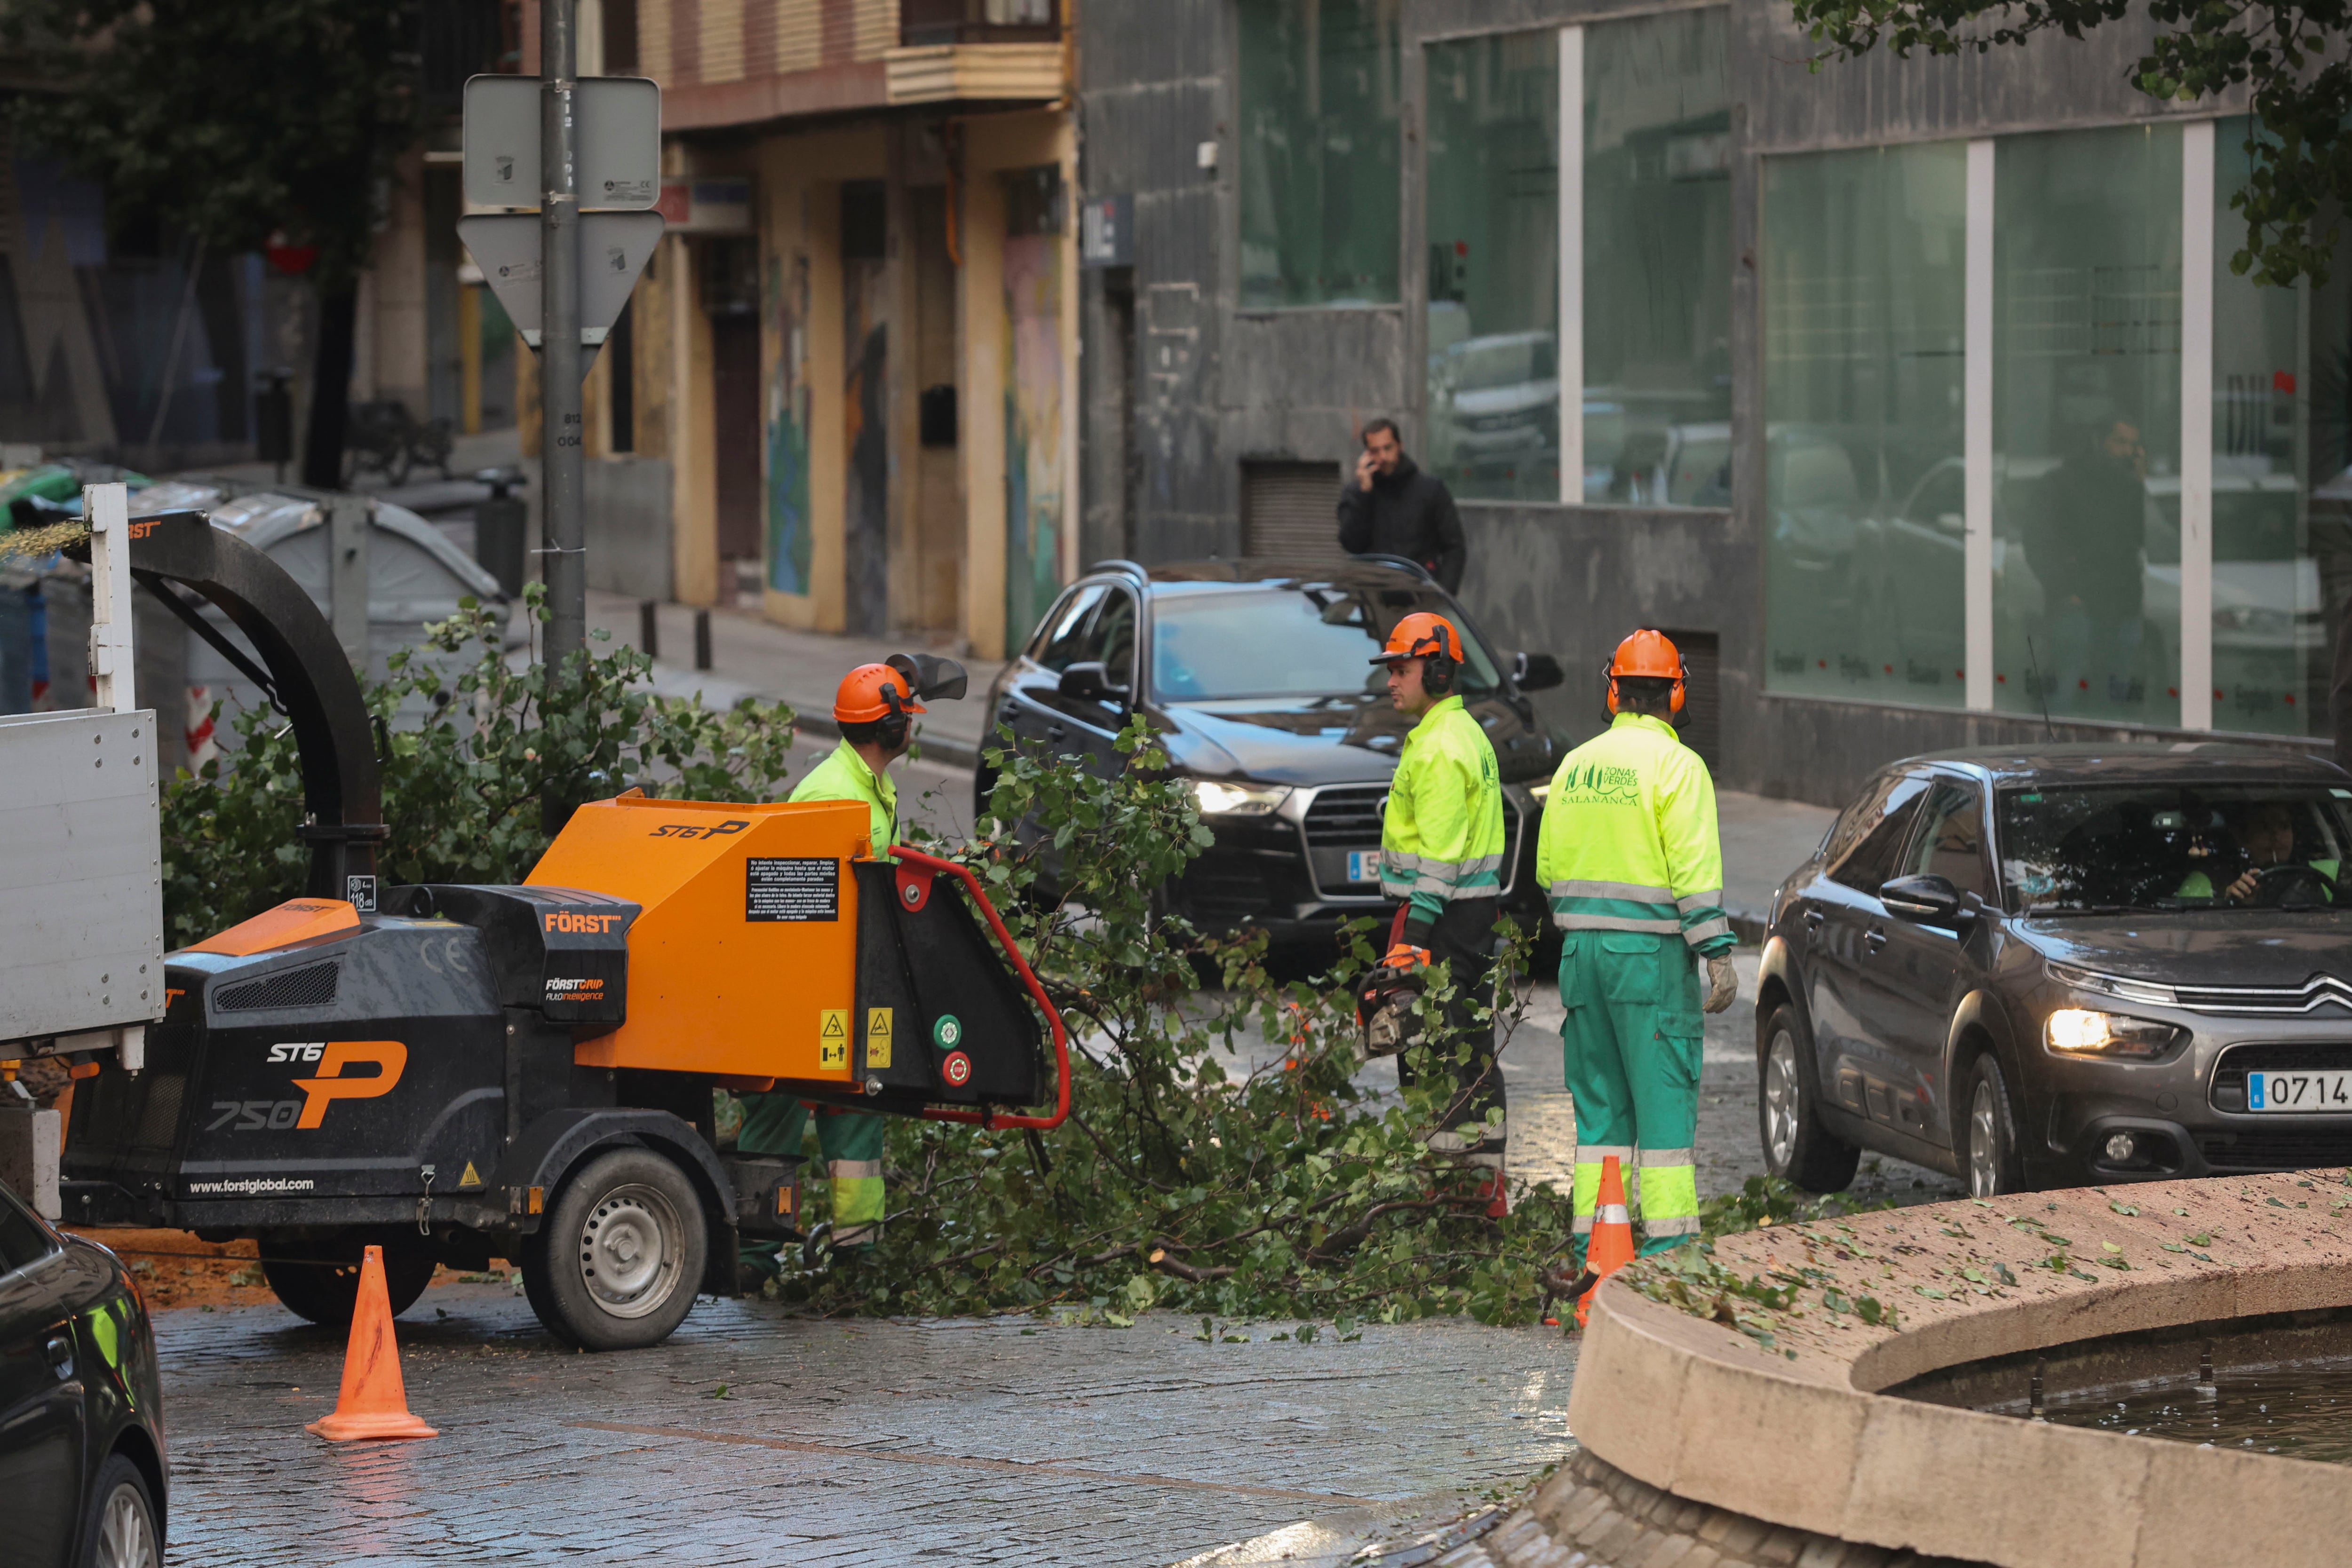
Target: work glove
x: 1404, y: 958
x: 1722, y: 985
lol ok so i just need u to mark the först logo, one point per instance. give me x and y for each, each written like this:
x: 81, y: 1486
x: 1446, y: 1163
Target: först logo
x: 578, y: 923
x: 334, y: 1057
x: 574, y: 987
x: 698, y: 831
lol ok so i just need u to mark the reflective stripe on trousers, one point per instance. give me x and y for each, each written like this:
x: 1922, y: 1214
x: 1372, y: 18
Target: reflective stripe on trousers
x: 1663, y: 1189
x: 857, y: 1200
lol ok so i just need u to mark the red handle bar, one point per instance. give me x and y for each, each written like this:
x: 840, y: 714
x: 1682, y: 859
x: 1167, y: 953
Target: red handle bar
x: 991, y: 1119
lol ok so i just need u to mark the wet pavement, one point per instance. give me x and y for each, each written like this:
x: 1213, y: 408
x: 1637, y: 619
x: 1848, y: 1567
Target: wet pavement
x: 753, y: 1438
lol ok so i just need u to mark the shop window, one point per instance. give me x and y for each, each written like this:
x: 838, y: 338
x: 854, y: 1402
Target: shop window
x: 1493, y: 179
x: 2086, y: 424
x: 1318, y: 153
x: 1656, y: 180
x: 2282, y: 479
x: 1864, y: 296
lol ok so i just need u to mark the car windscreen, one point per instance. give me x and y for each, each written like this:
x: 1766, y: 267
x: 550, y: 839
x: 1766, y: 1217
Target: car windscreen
x: 1307, y: 642
x: 2128, y: 848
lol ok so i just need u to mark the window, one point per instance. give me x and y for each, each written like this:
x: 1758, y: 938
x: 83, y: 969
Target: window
x: 1656, y: 180
x: 1863, y: 296
x: 1318, y: 153
x: 1111, y: 639
x: 23, y: 1240
x: 1493, y: 179
x: 1871, y: 860
x: 1063, y: 631
x: 2281, y: 433
x: 2086, y: 424
x: 1315, y: 642
x: 1951, y: 841
x: 2172, y: 847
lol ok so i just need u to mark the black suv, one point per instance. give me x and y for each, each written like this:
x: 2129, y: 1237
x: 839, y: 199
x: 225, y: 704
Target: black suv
x: 81, y: 1411
x: 1257, y: 675
x: 2077, y: 963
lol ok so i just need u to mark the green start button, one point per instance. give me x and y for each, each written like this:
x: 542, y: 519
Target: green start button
x: 948, y: 1033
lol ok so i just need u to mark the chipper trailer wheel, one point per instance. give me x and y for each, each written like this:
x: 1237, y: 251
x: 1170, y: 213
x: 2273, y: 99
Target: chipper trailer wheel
x: 621, y: 1255
x: 320, y: 1280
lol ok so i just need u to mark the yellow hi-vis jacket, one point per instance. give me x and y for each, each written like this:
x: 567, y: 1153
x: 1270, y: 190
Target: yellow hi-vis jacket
x: 1442, y: 832
x: 1629, y: 840
x: 844, y: 776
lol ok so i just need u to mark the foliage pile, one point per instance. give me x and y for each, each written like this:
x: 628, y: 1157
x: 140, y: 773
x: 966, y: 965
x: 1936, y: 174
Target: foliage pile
x: 462, y: 796
x: 1183, y: 1178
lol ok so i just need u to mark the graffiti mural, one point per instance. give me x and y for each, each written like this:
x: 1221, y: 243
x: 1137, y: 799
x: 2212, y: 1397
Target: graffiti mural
x: 1032, y: 427
x: 788, y: 540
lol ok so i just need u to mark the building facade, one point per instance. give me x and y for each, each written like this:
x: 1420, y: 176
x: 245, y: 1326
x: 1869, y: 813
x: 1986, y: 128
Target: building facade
x: 852, y: 357
x: 1917, y: 399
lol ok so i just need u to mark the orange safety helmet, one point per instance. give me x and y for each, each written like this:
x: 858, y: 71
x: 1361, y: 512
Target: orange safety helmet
x: 1650, y: 656
x: 1419, y: 634
x: 1431, y: 639
x: 873, y: 692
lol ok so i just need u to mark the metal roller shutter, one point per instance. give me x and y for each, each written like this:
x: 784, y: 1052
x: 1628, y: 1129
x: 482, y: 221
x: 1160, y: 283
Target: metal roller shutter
x: 1290, y: 511
x: 1702, y: 726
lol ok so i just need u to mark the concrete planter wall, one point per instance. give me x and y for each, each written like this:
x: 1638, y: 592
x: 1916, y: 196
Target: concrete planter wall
x: 1813, y: 1443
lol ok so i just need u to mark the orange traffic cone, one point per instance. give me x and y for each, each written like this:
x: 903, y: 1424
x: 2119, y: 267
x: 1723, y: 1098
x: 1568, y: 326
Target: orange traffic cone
x: 1611, y: 1247
x: 373, y: 1403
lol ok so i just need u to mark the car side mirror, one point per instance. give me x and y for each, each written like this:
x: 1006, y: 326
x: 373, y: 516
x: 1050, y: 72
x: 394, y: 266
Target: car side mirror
x: 1536, y: 671
x: 1926, y: 897
x: 1089, y: 681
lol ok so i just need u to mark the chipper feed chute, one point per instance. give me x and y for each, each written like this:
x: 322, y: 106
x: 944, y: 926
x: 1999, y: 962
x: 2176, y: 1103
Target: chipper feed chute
x: 768, y: 951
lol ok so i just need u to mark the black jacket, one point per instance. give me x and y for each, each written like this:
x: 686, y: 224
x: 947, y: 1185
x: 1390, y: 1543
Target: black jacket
x: 1407, y: 513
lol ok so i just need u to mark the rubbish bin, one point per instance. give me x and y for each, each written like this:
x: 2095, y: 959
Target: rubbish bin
x: 498, y: 526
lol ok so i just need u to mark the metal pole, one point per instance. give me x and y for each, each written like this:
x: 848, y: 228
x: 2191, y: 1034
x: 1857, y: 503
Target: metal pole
x: 565, y: 545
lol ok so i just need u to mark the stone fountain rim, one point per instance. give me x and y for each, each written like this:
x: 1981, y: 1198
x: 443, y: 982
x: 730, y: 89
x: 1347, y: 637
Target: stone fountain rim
x: 1813, y: 1443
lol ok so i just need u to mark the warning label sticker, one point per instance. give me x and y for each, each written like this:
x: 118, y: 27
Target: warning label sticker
x: 832, y: 1037
x: 878, y: 1037
x: 776, y: 889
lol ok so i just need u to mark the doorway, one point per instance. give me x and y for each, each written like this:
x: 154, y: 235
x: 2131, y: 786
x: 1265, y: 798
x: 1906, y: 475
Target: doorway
x: 865, y: 336
x: 730, y: 297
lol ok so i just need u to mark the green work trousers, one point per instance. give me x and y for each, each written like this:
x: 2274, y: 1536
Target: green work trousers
x: 851, y: 1141
x: 1630, y: 1046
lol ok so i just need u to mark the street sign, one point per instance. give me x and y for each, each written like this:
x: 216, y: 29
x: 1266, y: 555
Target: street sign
x: 618, y: 120
x: 614, y: 249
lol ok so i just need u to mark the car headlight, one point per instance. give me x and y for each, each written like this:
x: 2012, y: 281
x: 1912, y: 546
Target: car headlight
x: 1218, y: 799
x: 2082, y: 1032
x: 1540, y: 792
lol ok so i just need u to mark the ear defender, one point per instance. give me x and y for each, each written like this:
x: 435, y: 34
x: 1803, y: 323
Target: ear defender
x: 895, y: 725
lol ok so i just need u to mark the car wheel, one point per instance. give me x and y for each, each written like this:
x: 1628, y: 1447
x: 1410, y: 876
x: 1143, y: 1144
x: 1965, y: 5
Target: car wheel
x: 120, y: 1530
x: 621, y: 1255
x: 320, y: 1280
x: 1797, y: 1147
x: 1988, y: 1136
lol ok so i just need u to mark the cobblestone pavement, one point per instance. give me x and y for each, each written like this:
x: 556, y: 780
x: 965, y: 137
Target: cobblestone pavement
x: 835, y: 1444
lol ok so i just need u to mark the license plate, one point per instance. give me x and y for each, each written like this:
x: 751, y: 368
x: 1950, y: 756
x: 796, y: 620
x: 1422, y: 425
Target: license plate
x: 1363, y: 865
x: 2299, y: 1091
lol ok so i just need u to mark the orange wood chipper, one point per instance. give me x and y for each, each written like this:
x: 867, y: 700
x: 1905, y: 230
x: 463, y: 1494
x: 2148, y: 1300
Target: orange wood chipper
x: 458, y: 1073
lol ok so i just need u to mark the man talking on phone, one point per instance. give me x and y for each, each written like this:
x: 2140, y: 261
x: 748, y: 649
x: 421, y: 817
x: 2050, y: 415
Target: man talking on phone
x: 1389, y: 507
